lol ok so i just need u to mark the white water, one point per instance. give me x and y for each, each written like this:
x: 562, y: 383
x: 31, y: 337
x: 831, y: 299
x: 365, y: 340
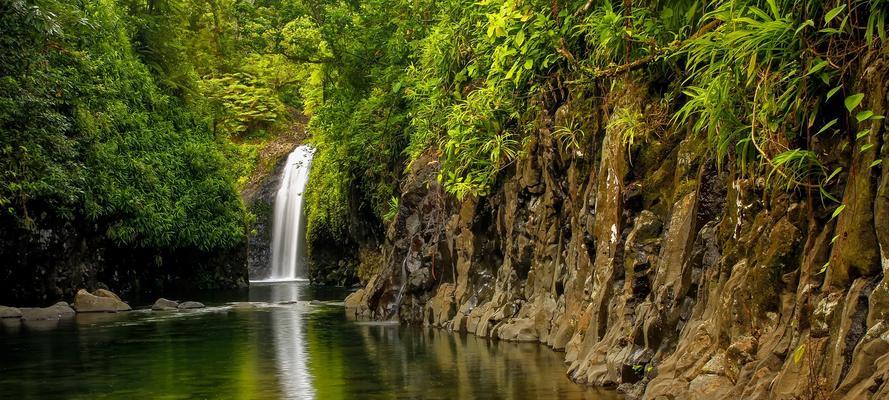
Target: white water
x: 289, y: 226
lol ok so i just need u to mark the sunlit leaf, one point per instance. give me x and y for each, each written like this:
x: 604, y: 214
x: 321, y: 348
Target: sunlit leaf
x: 853, y: 101
x: 838, y: 211
x: 830, y: 15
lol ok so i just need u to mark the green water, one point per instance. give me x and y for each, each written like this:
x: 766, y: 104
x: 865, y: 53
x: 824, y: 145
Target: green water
x: 269, y: 351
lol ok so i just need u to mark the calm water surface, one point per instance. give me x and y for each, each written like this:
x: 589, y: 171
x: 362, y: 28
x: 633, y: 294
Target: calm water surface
x: 269, y: 351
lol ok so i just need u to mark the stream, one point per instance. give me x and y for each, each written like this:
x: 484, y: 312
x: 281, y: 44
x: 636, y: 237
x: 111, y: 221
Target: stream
x: 258, y: 344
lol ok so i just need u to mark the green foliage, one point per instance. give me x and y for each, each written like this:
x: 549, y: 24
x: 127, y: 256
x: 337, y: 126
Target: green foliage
x: 757, y: 81
x: 137, y: 112
x: 631, y: 125
x: 353, y: 94
x: 470, y: 88
x: 613, y: 36
x: 393, y: 209
x: 464, y: 82
x: 243, y: 104
x: 570, y: 135
x: 88, y: 131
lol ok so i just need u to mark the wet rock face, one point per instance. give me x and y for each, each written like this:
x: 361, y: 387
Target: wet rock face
x: 51, y: 262
x: 261, y: 203
x: 343, y: 260
x: 667, y: 277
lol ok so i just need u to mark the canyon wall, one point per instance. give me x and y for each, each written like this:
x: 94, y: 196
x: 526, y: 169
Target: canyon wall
x: 655, y: 267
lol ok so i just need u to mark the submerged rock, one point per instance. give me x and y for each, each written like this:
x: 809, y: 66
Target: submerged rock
x: 190, y: 305
x: 10, y: 312
x: 99, y: 301
x: 163, y: 304
x: 245, y: 306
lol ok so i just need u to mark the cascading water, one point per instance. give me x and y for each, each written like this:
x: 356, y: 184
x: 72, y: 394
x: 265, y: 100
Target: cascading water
x: 289, y: 226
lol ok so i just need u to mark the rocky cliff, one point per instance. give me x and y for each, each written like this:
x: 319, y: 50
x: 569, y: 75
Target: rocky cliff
x: 45, y: 265
x: 653, y: 266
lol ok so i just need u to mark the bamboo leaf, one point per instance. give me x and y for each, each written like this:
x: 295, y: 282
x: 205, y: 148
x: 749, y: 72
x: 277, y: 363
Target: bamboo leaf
x: 833, y: 92
x: 853, y: 101
x: 818, y: 65
x: 827, y: 195
x: 864, y: 115
x: 833, y: 174
x: 838, y: 211
x: 826, y: 126
x: 833, y: 13
x: 751, y: 68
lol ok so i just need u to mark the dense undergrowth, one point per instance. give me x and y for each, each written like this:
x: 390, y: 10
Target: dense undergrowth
x: 142, y: 117
x: 762, y: 81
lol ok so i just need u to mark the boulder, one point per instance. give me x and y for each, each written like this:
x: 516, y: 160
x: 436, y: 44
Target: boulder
x: 56, y: 311
x: 10, y: 312
x: 87, y: 302
x: 64, y: 309
x: 163, y: 304
x: 355, y: 300
x: 106, y: 293
x: 189, y: 305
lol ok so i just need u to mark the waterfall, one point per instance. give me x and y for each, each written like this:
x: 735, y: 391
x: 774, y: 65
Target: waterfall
x: 289, y: 226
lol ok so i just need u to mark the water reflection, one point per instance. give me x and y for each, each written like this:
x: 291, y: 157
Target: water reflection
x: 433, y: 363
x: 270, y: 351
x: 290, y: 344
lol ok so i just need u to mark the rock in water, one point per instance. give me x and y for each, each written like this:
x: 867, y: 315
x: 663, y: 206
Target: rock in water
x: 188, y: 305
x: 10, y: 312
x: 64, y: 310
x: 163, y: 304
x: 56, y: 311
x: 106, y: 293
x: 243, y: 305
x: 86, y: 302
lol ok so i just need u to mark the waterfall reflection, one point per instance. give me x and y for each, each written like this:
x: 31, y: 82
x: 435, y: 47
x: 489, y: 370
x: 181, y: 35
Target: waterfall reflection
x: 289, y: 341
